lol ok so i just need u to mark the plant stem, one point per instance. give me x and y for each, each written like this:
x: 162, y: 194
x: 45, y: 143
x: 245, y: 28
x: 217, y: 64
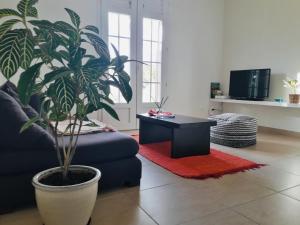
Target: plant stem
x: 57, y: 144
x: 70, y: 147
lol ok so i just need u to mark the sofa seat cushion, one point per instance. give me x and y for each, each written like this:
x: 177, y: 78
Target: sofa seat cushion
x: 92, y: 149
x: 104, y: 147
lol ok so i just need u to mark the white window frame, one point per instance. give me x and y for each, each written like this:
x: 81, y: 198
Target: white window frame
x: 149, y: 9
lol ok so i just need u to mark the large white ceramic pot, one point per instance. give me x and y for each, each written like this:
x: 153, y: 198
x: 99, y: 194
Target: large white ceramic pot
x: 66, y: 205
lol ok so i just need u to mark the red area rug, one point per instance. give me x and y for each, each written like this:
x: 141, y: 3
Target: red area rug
x: 214, y: 165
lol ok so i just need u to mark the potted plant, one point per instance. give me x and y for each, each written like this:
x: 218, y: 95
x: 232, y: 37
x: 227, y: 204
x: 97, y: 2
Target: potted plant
x: 70, y: 67
x: 291, y: 84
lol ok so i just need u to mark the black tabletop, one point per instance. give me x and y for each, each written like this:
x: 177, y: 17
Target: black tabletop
x: 177, y: 121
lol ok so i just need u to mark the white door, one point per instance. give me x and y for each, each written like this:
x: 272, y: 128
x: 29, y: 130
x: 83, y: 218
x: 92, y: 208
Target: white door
x: 150, y: 41
x: 134, y: 27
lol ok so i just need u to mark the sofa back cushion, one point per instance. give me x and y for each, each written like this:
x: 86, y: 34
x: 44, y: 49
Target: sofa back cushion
x: 12, y: 118
x: 34, y: 104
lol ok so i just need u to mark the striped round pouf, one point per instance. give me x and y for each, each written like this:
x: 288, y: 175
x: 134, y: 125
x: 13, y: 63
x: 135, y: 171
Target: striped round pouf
x: 234, y: 130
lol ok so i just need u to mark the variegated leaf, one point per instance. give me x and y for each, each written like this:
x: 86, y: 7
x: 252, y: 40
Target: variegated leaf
x: 99, y: 45
x: 10, y: 53
x: 26, y: 82
x: 65, y: 94
x: 8, y: 12
x: 26, y: 8
x: 7, y: 25
x: 92, y: 28
x: 27, y: 48
x: 74, y: 17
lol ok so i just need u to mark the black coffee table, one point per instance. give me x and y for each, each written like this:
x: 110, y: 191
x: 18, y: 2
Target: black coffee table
x: 189, y: 136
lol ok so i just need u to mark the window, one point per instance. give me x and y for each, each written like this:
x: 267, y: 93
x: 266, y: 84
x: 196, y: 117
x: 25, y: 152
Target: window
x: 152, y: 54
x: 119, y: 35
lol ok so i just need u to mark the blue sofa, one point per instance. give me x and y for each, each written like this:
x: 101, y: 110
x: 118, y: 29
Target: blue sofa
x: 24, y: 155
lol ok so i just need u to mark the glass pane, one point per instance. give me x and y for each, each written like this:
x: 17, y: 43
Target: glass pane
x: 147, y: 29
x: 113, y: 24
x: 156, y: 72
x: 122, y: 99
x: 127, y: 68
x: 146, y: 92
x: 124, y: 46
x: 146, y: 51
x: 124, y: 25
x: 115, y: 42
x: 155, y: 30
x: 146, y: 73
x: 156, y: 52
x: 155, y: 92
x: 114, y: 94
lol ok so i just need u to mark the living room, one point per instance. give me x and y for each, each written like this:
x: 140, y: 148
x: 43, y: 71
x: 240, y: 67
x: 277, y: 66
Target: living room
x: 149, y: 112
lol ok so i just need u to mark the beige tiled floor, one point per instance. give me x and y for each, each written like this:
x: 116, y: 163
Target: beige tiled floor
x: 268, y: 196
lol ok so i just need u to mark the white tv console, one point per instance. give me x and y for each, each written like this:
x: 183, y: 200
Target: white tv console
x: 259, y: 103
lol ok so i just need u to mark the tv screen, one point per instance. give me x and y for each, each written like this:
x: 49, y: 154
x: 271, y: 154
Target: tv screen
x: 250, y: 84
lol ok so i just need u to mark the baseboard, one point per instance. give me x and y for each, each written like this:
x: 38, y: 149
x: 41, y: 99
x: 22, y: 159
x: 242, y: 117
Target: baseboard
x: 278, y: 131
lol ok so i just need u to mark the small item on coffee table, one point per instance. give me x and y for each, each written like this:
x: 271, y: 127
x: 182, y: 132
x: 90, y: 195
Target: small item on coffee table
x: 153, y: 112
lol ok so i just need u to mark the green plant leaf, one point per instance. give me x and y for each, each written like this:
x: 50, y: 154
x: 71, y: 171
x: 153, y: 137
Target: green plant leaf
x: 42, y: 24
x: 93, y: 96
x: 26, y: 8
x: 65, y: 55
x: 68, y: 30
x: 125, y: 89
x: 8, y: 12
x: 27, y: 48
x: 7, y: 25
x: 29, y: 123
x: 84, y: 78
x: 109, y: 110
x: 96, y: 67
x: 65, y: 94
x: 10, y: 53
x: 74, y: 17
x: 56, y: 74
x: 99, y: 45
x: 77, y: 54
x: 58, y: 116
x: 49, y: 38
x: 26, y: 82
x: 124, y: 76
x: 119, y: 61
x: 45, y: 107
x: 92, y: 28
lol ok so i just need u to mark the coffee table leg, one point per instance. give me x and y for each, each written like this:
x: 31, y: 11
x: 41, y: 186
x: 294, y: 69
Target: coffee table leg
x: 190, y: 141
x: 151, y: 133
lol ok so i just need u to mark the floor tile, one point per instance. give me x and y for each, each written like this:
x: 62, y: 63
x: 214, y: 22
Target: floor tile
x: 154, y: 176
x: 273, y: 210
x: 29, y: 216
x: 226, y: 217
x: 289, y: 164
x: 293, y: 192
x: 273, y: 178
x: 119, y: 210
x: 177, y: 203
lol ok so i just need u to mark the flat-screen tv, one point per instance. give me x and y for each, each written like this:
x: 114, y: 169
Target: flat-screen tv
x: 250, y: 84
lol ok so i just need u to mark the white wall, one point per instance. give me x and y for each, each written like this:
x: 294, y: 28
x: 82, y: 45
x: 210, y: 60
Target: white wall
x: 54, y: 10
x: 194, y: 39
x: 194, y: 36
x: 264, y: 34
